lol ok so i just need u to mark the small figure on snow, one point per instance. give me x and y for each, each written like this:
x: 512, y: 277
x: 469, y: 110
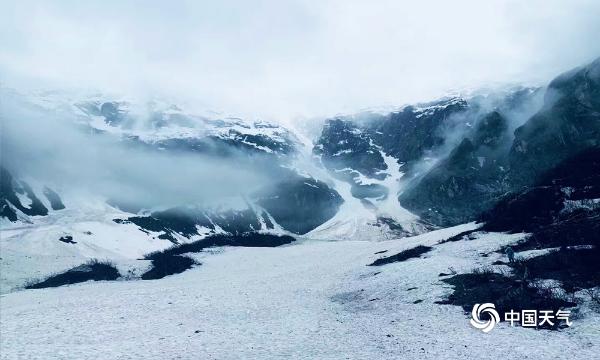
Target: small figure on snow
x: 510, y: 253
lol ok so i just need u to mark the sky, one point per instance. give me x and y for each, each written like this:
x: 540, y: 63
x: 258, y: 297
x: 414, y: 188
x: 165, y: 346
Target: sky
x: 292, y: 59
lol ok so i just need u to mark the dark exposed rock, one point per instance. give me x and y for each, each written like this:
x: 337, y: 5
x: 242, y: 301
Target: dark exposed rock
x: 468, y: 181
x: 300, y: 204
x: 296, y: 203
x: 55, y: 201
x: 267, y: 221
x: 235, y: 144
x: 391, y: 223
x: 185, y: 221
x: 344, y: 145
x: 568, y: 123
x: 9, y: 188
x: 257, y: 143
x: 355, y: 142
x: 408, y: 134
x: 488, y: 163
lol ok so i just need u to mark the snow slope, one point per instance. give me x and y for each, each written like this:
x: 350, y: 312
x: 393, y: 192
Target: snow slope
x: 171, y: 127
x: 356, y: 221
x: 33, y: 251
x: 313, y: 300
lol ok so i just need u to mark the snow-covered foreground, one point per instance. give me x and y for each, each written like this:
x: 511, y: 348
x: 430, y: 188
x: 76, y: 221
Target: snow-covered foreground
x: 312, y: 299
x: 32, y: 251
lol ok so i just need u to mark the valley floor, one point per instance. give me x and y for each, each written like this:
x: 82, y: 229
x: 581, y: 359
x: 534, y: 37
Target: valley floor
x: 312, y: 299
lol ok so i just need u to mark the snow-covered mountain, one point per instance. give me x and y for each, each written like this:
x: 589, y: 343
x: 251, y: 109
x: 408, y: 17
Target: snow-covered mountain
x: 304, y: 198
x: 374, y: 175
x: 518, y: 169
x: 301, y: 196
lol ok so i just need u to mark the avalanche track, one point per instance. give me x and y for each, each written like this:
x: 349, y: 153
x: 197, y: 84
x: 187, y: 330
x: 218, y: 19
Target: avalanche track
x: 312, y: 299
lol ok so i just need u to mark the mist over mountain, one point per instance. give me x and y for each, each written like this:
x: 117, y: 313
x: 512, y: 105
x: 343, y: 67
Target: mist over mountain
x: 294, y: 60
x: 331, y: 180
x: 402, y: 172
x: 147, y: 185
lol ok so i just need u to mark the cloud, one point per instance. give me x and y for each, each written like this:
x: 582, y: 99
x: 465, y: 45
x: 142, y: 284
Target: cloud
x: 51, y: 148
x: 283, y: 60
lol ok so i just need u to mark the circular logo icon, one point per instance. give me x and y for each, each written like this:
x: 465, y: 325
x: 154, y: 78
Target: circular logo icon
x: 487, y: 325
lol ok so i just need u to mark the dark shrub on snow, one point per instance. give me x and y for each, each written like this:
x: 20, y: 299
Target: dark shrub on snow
x: 92, y: 270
